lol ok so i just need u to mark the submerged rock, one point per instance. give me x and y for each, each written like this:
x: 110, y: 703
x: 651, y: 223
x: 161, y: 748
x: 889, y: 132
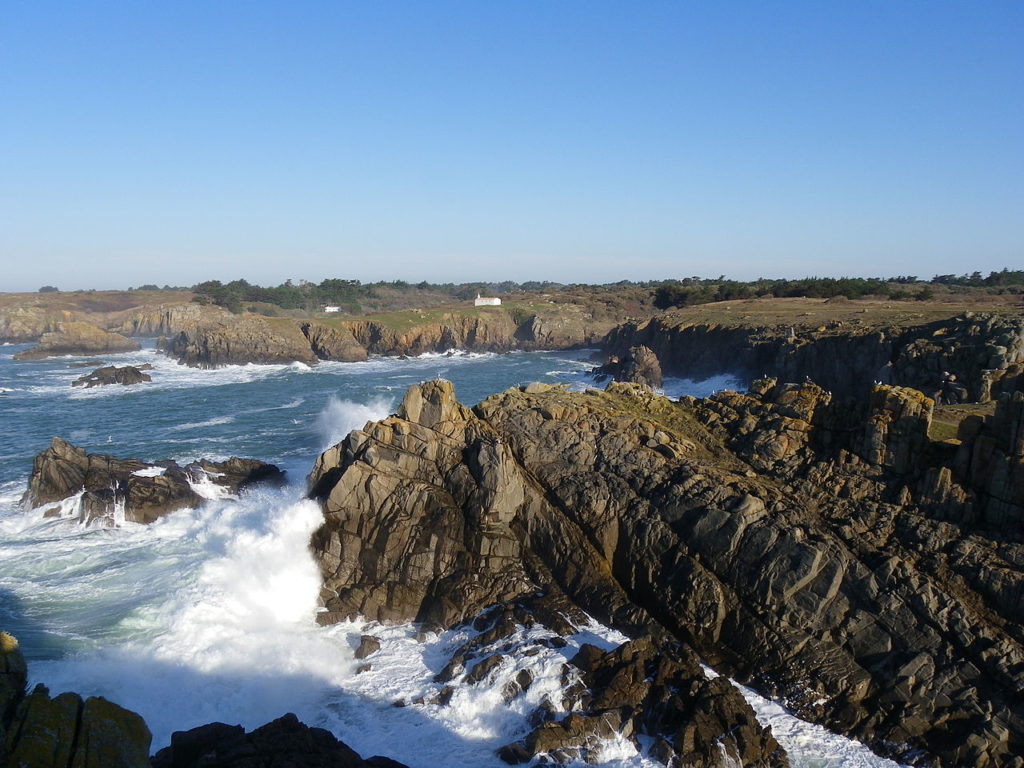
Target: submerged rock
x: 790, y: 539
x: 110, y: 374
x: 78, y: 339
x: 141, y: 492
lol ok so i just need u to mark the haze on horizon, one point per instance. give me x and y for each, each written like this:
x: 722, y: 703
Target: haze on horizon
x: 172, y: 143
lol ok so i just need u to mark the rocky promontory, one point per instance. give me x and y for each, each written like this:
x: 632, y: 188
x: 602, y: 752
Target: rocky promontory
x: 78, y: 339
x: 824, y: 551
x: 109, y: 488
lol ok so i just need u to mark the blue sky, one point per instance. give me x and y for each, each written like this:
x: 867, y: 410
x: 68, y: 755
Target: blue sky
x: 158, y: 142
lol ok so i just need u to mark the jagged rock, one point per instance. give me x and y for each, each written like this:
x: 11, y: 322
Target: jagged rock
x: 141, y: 492
x: 110, y: 374
x: 746, y: 527
x: 73, y: 338
x: 282, y: 743
x: 639, y: 366
x: 333, y: 343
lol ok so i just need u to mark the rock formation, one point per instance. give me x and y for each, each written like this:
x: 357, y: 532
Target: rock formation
x: 37, y: 730
x: 978, y: 351
x: 78, y: 339
x: 109, y: 374
x: 111, y: 487
x: 825, y: 552
x: 639, y: 366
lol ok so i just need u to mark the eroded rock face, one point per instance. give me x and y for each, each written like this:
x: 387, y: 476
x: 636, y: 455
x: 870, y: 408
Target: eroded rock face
x: 78, y: 339
x: 109, y: 374
x: 331, y: 343
x: 790, y: 539
x: 141, y: 492
x: 237, y: 340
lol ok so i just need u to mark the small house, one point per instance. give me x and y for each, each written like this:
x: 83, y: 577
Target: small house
x: 330, y: 308
x: 483, y: 301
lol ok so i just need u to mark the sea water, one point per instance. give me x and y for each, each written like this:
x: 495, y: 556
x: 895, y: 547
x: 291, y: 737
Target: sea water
x: 208, y: 613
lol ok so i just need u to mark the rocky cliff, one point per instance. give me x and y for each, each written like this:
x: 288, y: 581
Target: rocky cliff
x: 78, y: 339
x: 828, y: 554
x: 982, y: 353
x: 108, y: 487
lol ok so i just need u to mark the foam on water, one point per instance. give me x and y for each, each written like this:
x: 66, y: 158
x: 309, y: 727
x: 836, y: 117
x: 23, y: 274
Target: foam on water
x: 339, y: 417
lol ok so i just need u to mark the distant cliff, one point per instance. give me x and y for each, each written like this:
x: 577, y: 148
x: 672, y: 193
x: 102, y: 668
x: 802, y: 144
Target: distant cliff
x: 983, y: 353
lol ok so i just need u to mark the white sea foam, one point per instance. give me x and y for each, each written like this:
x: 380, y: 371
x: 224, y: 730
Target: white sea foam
x: 339, y: 417
x: 677, y: 387
x: 200, y: 424
x: 149, y: 472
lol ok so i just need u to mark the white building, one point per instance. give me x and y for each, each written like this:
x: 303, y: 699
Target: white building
x: 329, y: 308
x: 486, y: 302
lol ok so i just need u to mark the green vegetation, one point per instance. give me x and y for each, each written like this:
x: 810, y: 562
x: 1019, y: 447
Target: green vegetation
x: 356, y: 298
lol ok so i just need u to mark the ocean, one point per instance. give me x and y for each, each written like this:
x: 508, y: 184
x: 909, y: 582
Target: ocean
x: 208, y: 614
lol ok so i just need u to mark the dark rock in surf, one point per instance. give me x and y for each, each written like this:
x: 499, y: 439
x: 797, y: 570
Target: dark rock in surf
x: 141, y: 492
x: 282, y: 742
x: 37, y: 730
x: 125, y: 375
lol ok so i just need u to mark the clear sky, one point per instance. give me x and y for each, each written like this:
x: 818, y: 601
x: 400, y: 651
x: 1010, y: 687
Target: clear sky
x: 174, y: 142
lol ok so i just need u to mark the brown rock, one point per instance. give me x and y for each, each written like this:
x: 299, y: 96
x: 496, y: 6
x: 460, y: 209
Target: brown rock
x: 73, y: 338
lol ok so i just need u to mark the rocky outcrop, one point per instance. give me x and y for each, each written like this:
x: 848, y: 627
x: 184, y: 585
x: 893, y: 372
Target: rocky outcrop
x: 425, y: 520
x: 282, y: 742
x: 978, y: 351
x: 125, y: 375
x: 639, y: 366
x: 238, y: 340
x: 110, y: 490
x: 37, y: 730
x: 78, y: 339
x: 821, y: 550
x: 333, y: 343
